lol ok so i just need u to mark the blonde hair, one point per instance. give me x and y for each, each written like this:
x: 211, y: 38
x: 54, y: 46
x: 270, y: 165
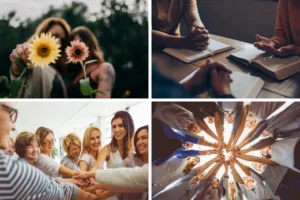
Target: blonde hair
x: 86, y: 139
x: 71, y: 138
x: 23, y: 140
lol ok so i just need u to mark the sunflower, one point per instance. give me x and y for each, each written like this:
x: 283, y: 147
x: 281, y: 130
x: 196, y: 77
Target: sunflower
x: 77, y: 52
x: 44, y: 50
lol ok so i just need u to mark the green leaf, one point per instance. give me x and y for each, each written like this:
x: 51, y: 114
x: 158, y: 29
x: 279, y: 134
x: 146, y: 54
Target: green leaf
x: 15, y: 87
x: 98, y: 91
x: 21, y: 64
x: 85, y: 87
x: 27, y: 90
x: 5, y: 80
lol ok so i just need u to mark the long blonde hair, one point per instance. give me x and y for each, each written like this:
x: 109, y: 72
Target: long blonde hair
x: 86, y: 139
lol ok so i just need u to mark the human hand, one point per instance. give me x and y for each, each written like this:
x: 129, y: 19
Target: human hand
x: 201, y: 80
x: 285, y: 51
x: 263, y: 42
x: 21, y: 51
x: 197, y: 38
x: 81, y: 175
x: 220, y: 82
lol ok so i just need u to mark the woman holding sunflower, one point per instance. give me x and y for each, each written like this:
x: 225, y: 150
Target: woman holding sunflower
x: 44, y: 82
x: 84, y: 46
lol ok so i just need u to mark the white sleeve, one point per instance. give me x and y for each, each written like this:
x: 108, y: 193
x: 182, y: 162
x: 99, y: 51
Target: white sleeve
x: 124, y: 177
x: 86, y: 158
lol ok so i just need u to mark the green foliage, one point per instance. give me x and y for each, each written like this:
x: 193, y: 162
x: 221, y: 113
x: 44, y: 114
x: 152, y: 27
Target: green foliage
x: 54, y: 152
x: 122, y: 35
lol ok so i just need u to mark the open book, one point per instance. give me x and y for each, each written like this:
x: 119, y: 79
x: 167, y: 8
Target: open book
x: 279, y: 68
x: 188, y: 56
x: 242, y: 86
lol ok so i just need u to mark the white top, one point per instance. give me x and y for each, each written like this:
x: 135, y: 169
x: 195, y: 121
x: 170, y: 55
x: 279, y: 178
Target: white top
x: 48, y: 166
x: 115, y: 159
x: 89, y: 159
x: 124, y: 177
x: 262, y: 110
x: 283, y: 152
x: 166, y: 173
x: 174, y: 115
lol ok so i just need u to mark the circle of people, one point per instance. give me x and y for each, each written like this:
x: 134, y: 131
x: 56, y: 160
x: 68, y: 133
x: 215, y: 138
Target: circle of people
x: 176, y: 169
x: 126, y: 150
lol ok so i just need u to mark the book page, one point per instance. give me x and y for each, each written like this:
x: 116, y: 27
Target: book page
x: 249, y: 54
x: 217, y: 47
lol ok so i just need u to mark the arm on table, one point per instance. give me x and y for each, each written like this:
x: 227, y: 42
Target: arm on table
x: 162, y: 40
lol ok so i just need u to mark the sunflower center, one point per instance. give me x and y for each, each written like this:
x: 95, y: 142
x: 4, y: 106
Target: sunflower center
x: 77, y: 52
x: 43, y: 51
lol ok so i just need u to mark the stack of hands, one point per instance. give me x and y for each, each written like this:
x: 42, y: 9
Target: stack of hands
x: 197, y: 38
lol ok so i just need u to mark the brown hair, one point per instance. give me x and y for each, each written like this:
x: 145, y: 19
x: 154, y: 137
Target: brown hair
x: 47, y: 24
x: 129, y: 127
x: 42, y: 132
x: 23, y: 140
x: 137, y: 153
x: 90, y: 40
x: 189, y: 166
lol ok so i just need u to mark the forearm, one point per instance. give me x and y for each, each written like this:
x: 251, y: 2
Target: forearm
x: 258, y: 159
x: 219, y: 127
x: 66, y: 171
x: 263, y: 143
x: 245, y: 140
x: 162, y: 40
x: 116, y: 189
x: 236, y: 175
x: 203, y: 167
x: 241, y: 126
x: 206, y: 129
x: 85, y: 195
x: 207, y: 143
x: 243, y: 167
x: 212, y: 171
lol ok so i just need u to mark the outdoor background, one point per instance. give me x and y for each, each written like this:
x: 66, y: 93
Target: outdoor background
x: 121, y: 27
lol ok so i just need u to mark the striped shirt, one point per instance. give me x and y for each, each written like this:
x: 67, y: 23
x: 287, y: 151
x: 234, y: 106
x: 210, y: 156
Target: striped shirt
x: 19, y: 180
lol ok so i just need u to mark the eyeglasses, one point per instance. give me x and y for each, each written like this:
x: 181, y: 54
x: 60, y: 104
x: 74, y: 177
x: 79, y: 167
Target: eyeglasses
x: 50, y: 142
x: 13, y: 113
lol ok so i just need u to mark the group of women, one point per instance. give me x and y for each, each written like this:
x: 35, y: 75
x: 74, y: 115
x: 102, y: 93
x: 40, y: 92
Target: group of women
x: 271, y: 127
x: 61, y: 79
x: 127, y: 149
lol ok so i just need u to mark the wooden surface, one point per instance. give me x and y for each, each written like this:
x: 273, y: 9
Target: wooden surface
x: 177, y: 70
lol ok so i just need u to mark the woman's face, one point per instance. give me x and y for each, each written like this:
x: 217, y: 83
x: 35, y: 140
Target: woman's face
x: 265, y: 134
x: 11, y: 148
x: 258, y: 166
x: 193, y: 160
x: 118, y: 129
x: 266, y: 152
x: 249, y: 182
x: 58, y: 32
x: 74, y: 151
x: 193, y: 128
x: 142, y: 141
x: 6, y: 124
x: 188, y: 145
x: 231, y: 185
x: 95, y: 140
x: 250, y: 121
x: 215, y: 183
x: 48, y: 143
x: 229, y: 118
x: 32, y: 151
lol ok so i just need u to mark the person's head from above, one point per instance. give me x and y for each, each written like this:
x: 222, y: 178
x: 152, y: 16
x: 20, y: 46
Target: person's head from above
x: 8, y: 115
x: 229, y: 118
x: 198, y: 178
x: 58, y: 28
x: 123, y: 132
x: 266, y: 152
x: 190, y: 163
x: 215, y: 183
x: 72, y: 145
x: 258, y: 166
x: 210, y: 120
x: 11, y: 146
x: 231, y: 184
x: 91, y: 140
x: 85, y: 35
x: 141, y: 141
x: 250, y: 120
x: 188, y: 145
x: 47, y: 140
x: 249, y: 182
x: 265, y: 134
x: 193, y: 128
x: 28, y: 146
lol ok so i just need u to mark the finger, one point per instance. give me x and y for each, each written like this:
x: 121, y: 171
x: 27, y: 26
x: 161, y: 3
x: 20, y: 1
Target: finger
x: 201, y: 37
x: 274, y: 51
x: 12, y: 55
x: 258, y: 37
x: 220, y: 66
x: 202, y: 44
x: 21, y: 53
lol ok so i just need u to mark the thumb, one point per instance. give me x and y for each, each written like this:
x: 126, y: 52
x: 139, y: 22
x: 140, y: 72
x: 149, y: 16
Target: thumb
x: 208, y: 61
x: 258, y: 37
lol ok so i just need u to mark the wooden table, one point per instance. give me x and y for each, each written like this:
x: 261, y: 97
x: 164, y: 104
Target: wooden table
x: 177, y: 70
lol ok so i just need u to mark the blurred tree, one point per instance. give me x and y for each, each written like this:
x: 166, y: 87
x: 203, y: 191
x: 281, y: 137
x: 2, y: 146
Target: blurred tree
x: 122, y: 35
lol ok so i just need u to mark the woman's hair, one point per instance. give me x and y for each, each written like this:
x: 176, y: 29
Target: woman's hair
x: 90, y: 40
x: 137, y: 153
x: 48, y: 23
x: 86, y: 139
x: 265, y: 156
x: 189, y: 166
x: 129, y: 127
x: 23, y: 140
x: 11, y: 139
x: 42, y: 132
x: 71, y: 138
